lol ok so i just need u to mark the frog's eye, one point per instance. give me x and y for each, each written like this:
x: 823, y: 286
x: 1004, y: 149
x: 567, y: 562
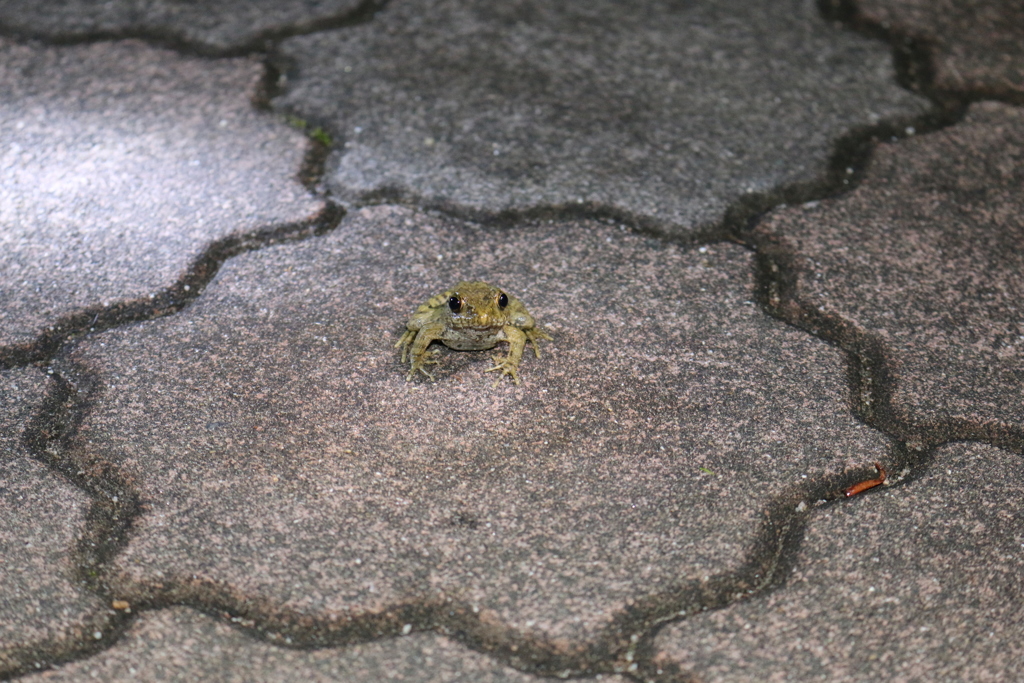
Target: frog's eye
x: 502, y: 300
x: 455, y: 303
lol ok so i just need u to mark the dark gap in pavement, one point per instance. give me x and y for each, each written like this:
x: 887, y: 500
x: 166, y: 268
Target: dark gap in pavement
x: 114, y: 506
x: 870, y: 364
x: 189, y: 286
x: 311, y: 171
x: 174, y: 41
x: 912, y: 57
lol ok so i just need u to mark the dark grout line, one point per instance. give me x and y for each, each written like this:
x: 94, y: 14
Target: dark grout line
x: 869, y: 373
x: 113, y: 508
x: 913, y: 57
x: 187, y: 289
x: 872, y: 380
x: 850, y: 154
x: 173, y: 40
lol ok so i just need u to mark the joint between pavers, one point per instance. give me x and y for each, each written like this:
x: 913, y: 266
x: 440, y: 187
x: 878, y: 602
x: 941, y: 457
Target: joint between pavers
x: 112, y: 509
x: 176, y: 41
x: 170, y: 300
x: 870, y: 375
x: 845, y: 164
x: 913, y: 58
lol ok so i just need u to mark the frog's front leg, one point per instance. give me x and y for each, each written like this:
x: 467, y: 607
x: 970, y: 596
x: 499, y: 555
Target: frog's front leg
x: 416, y: 343
x: 533, y: 334
x: 509, y: 365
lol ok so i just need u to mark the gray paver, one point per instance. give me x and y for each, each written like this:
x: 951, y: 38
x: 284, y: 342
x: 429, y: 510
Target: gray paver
x: 121, y: 163
x: 44, y: 612
x: 179, y: 644
x: 926, y: 256
x: 921, y: 582
x: 974, y: 46
x: 211, y: 27
x: 290, y: 471
x: 665, y: 112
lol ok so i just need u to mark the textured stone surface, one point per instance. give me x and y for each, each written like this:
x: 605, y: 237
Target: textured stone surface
x: 917, y: 583
x: 927, y: 255
x: 666, y: 112
x: 179, y: 644
x: 120, y: 164
x: 44, y: 612
x: 975, y: 46
x: 285, y: 461
x: 211, y: 27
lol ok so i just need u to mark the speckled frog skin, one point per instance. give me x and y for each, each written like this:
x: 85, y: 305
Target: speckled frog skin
x: 471, y: 316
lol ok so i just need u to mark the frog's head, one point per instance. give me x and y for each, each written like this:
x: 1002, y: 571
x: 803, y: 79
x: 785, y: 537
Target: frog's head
x: 479, y: 305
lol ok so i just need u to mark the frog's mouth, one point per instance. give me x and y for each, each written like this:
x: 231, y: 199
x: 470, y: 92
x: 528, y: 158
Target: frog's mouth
x: 476, y: 322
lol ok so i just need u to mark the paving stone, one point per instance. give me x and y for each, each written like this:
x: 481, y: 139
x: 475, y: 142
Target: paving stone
x: 44, y: 612
x: 179, y: 644
x: 290, y: 472
x: 121, y: 164
x: 975, y: 46
x: 665, y: 112
x: 921, y: 582
x: 926, y: 255
x: 209, y: 27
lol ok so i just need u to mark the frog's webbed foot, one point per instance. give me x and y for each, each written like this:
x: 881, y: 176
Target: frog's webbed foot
x: 507, y: 367
x: 418, y: 363
x: 405, y: 342
x: 532, y: 335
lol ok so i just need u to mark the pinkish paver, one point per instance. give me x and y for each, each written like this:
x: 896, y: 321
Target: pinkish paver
x: 120, y: 165
x: 179, y: 644
x: 922, y: 582
x: 44, y: 611
x: 926, y: 257
x: 289, y: 472
x: 975, y: 46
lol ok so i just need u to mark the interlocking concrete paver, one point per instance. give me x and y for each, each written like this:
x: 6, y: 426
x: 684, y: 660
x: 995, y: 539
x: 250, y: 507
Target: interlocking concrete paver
x: 924, y: 582
x: 120, y: 165
x: 290, y: 472
x: 44, y: 611
x: 973, y: 46
x: 209, y: 27
x: 927, y: 255
x: 178, y: 644
x: 667, y: 113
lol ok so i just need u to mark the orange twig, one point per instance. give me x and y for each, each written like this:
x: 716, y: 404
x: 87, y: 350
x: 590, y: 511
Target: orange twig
x: 867, y: 483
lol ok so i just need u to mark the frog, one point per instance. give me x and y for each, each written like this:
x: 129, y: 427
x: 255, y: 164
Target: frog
x: 471, y: 316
